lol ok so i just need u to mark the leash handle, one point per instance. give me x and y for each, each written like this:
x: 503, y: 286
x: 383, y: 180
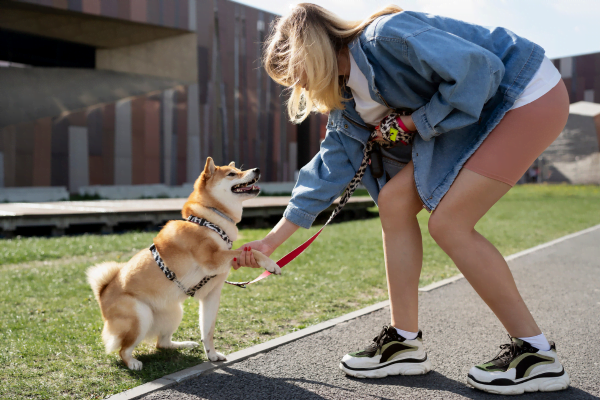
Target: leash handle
x: 285, y: 260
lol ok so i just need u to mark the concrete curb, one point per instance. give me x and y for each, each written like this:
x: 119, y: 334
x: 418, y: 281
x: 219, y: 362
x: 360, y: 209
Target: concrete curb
x: 193, y: 372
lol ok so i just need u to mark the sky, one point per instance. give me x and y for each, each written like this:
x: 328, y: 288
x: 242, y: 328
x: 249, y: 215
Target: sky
x: 562, y: 27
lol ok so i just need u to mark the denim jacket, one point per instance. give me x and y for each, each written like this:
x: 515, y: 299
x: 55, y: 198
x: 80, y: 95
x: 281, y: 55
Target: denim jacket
x: 457, y: 79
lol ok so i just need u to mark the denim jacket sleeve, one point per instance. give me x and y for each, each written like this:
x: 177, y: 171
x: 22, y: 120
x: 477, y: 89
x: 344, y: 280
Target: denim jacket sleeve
x: 320, y: 181
x: 468, y: 76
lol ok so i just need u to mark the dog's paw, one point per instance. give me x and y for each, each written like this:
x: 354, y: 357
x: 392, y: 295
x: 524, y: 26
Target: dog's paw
x: 272, y: 267
x: 135, y: 365
x: 216, y: 356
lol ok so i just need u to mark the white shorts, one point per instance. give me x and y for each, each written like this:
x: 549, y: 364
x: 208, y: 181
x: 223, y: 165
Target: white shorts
x: 546, y: 77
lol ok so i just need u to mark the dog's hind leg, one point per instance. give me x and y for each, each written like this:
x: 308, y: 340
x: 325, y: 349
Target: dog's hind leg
x: 209, y: 306
x: 167, y: 322
x: 137, y: 322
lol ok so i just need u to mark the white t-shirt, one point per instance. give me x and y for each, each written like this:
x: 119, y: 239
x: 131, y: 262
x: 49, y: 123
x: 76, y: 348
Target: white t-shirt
x: 372, y: 113
x: 546, y: 77
x: 369, y: 110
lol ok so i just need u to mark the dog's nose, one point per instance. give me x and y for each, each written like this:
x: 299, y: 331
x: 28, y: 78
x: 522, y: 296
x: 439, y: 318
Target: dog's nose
x: 256, y: 170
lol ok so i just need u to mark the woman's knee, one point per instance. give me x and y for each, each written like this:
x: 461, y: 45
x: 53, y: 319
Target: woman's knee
x: 398, y: 200
x: 442, y: 227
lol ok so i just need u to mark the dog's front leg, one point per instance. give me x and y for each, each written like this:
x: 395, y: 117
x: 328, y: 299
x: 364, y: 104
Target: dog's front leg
x: 209, y: 306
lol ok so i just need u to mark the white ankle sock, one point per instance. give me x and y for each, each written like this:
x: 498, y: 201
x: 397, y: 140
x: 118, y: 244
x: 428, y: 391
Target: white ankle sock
x: 539, y: 342
x: 407, y: 335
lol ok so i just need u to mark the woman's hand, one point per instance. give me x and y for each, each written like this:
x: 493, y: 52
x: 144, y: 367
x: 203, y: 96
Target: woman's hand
x: 246, y: 258
x: 282, y: 231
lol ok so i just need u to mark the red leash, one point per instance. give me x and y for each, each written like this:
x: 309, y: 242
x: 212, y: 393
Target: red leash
x: 285, y: 260
x: 343, y: 200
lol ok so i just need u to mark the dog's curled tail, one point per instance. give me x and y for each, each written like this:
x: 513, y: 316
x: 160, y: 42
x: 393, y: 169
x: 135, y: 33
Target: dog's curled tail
x: 99, y: 276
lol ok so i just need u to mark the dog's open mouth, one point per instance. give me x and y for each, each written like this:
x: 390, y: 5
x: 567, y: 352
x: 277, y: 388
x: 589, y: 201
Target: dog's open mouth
x: 246, y: 187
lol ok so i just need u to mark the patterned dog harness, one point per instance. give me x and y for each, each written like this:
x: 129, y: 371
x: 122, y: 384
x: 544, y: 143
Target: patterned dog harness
x: 171, y: 275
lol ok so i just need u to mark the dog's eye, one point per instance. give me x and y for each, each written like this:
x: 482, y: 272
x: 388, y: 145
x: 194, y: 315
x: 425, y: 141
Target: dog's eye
x: 231, y: 174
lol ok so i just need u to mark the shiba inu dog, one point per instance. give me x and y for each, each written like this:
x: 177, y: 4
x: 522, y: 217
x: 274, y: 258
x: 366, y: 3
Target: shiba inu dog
x: 142, y: 299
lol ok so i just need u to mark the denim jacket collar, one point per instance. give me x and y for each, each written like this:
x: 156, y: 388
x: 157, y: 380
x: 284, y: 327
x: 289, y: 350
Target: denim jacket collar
x: 363, y: 64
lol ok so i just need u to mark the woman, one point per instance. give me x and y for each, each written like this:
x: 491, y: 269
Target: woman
x: 482, y: 104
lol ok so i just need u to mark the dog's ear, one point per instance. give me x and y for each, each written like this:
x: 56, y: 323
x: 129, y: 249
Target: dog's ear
x: 209, y: 168
x: 232, y: 164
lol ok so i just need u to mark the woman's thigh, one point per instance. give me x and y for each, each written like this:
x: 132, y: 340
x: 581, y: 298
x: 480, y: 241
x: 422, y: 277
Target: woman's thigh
x: 510, y: 149
x: 521, y: 136
x: 399, y: 196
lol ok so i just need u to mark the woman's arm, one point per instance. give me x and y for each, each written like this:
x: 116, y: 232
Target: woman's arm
x: 319, y: 183
x: 467, y: 74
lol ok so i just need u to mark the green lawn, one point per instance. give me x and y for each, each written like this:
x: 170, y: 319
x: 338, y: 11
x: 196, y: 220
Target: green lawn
x: 50, y: 324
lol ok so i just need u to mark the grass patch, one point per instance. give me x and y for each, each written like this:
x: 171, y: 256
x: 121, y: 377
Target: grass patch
x: 50, y: 324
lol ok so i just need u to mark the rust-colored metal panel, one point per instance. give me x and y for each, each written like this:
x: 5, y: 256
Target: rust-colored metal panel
x: 95, y: 160
x: 597, y: 123
x: 108, y: 144
x: 24, y: 161
x: 110, y: 8
x: 78, y: 118
x: 64, y: 4
x: 75, y: 5
x: 96, y: 164
x: 94, y: 125
x: 579, y: 93
x: 251, y: 103
x: 226, y: 36
x: 204, y: 34
x: 153, y: 9
x: 182, y: 14
x: 181, y: 116
x: 137, y: 140
x: 8, y: 137
x: 138, y: 10
x: 168, y: 13
x: 91, y: 7
x: 42, y: 152
x: 152, y: 143
x: 276, y: 117
x: 124, y: 9
x: 59, y: 174
x: 568, y: 84
x: 584, y: 65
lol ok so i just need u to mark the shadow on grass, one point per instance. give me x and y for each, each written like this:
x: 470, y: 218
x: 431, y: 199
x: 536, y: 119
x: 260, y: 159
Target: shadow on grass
x: 162, y: 362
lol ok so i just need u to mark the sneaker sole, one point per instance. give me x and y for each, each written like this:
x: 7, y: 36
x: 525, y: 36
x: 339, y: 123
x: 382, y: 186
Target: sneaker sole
x: 549, y: 384
x: 397, y: 368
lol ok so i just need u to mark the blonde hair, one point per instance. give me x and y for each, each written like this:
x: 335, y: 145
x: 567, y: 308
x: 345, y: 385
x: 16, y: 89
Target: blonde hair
x: 304, y: 46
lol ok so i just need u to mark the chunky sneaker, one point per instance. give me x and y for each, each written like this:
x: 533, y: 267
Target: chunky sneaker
x: 520, y: 367
x: 389, y: 354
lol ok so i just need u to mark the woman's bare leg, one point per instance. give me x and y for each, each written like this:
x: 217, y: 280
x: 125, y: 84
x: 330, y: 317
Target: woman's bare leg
x: 452, y: 225
x: 399, y: 205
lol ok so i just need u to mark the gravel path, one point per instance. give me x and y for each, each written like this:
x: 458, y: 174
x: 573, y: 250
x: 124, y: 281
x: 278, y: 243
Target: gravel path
x: 560, y: 284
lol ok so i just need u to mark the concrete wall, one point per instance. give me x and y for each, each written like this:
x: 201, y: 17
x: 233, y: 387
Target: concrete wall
x: 172, y: 57
x: 574, y: 156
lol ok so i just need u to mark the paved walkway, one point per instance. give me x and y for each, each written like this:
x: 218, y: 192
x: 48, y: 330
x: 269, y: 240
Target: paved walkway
x: 560, y: 284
